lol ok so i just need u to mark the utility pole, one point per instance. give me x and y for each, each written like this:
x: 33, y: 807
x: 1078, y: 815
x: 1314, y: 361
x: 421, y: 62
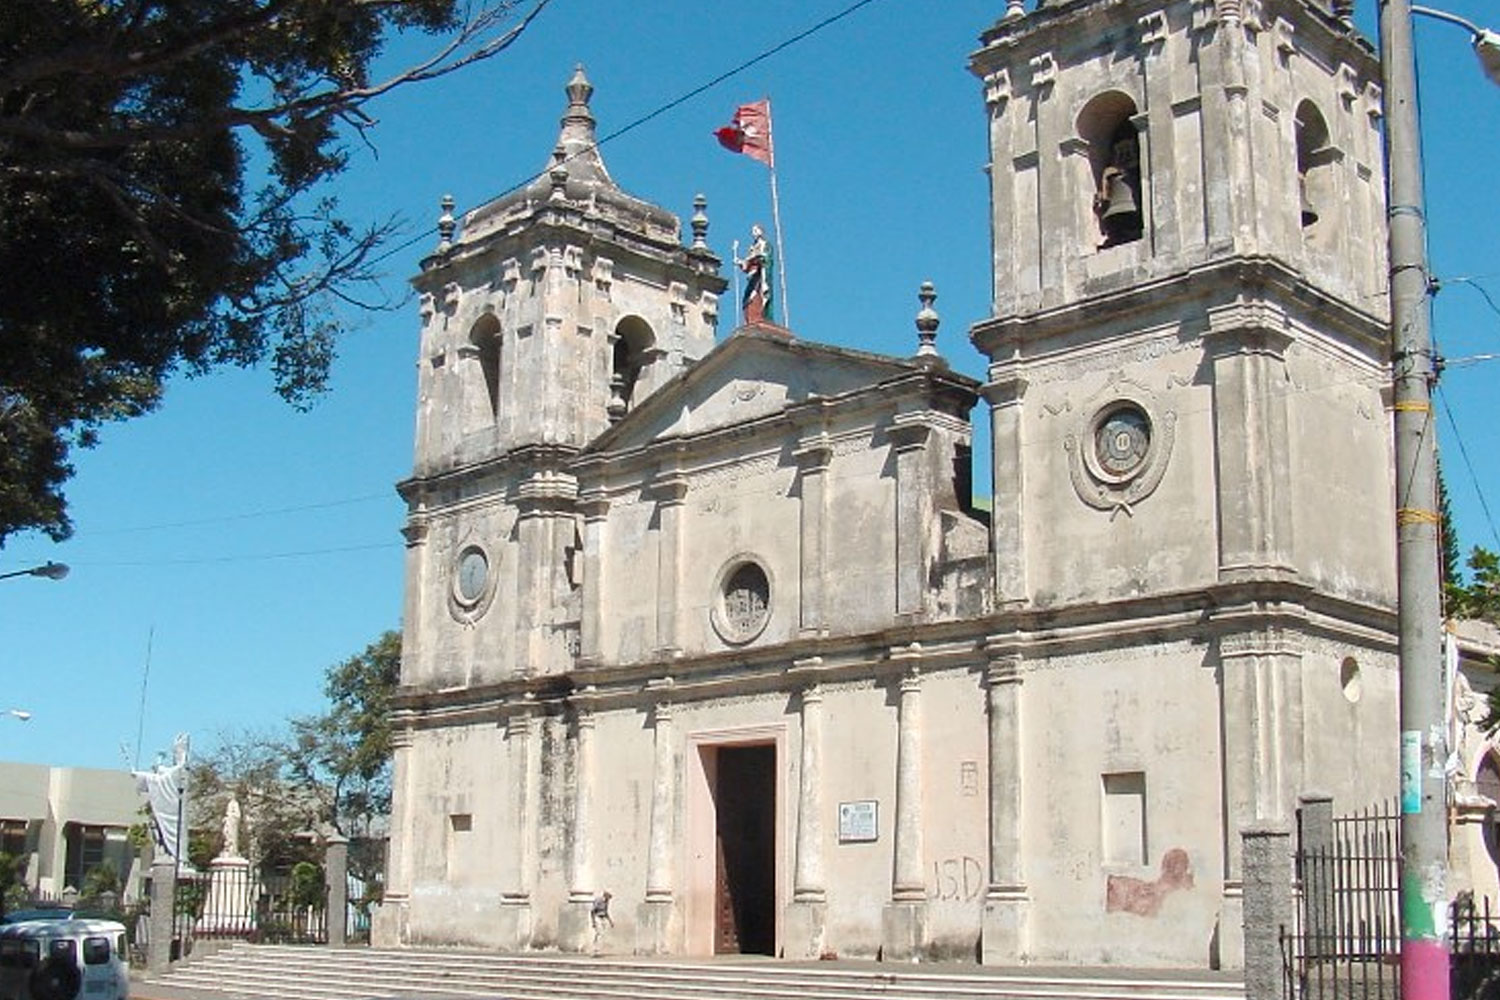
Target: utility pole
x: 1424, y: 818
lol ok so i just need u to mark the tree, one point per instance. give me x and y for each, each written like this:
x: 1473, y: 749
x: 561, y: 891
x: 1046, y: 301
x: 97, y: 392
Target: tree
x: 1480, y: 597
x: 251, y: 768
x: 344, y: 755
x: 140, y: 235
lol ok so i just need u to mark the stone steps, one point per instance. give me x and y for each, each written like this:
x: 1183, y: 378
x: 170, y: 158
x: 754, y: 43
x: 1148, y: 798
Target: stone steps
x: 270, y: 972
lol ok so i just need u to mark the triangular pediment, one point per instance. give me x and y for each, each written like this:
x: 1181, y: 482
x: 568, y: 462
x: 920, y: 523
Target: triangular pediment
x: 750, y: 376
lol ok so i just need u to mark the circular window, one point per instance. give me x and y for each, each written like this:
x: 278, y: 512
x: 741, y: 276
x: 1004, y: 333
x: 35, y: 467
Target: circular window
x: 473, y: 569
x: 743, y: 604
x: 473, y: 584
x: 1122, y: 437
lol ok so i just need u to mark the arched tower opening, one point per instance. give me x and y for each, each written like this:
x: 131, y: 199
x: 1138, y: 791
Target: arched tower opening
x: 485, y: 338
x: 633, y: 341
x: 1315, y: 196
x: 1106, y: 124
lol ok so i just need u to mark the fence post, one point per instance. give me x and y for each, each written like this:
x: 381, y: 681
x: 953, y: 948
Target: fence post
x: 1267, y: 870
x: 1316, y: 848
x: 336, y: 867
x: 163, y: 900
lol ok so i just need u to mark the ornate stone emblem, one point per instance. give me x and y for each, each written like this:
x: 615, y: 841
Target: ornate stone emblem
x: 1119, y: 454
x: 742, y: 604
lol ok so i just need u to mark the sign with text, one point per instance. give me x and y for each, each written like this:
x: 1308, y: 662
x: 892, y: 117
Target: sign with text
x: 859, y: 822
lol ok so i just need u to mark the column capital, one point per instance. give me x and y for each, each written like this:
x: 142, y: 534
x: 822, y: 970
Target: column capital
x: 593, y: 505
x: 670, y: 490
x: 813, y: 454
x: 909, y: 431
x: 1004, y: 669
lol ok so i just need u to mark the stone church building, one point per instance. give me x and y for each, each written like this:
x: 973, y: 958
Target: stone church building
x: 708, y: 619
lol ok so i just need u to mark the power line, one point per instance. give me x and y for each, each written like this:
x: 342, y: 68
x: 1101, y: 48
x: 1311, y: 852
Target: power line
x: 243, y: 516
x: 656, y: 112
x: 1463, y: 453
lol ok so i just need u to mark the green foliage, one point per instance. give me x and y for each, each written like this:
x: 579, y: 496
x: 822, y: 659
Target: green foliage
x: 100, y: 879
x: 163, y: 174
x: 343, y: 756
x: 306, y: 888
x: 1480, y: 597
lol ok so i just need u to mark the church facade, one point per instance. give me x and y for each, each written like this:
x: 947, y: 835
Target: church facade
x: 712, y: 623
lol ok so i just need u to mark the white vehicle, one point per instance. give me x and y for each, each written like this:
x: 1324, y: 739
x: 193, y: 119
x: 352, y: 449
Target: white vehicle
x: 63, y: 959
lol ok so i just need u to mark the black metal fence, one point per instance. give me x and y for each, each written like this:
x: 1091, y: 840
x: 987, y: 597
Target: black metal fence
x: 1345, y: 942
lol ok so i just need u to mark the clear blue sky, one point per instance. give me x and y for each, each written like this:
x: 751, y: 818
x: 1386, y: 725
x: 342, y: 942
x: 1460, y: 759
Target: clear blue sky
x: 255, y: 545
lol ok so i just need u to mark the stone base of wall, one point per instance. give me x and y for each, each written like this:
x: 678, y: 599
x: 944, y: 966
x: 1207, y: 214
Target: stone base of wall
x: 904, y: 932
x: 1003, y: 933
x: 575, y: 933
x: 802, y: 930
x: 513, y: 924
x: 388, y: 924
x: 657, y: 927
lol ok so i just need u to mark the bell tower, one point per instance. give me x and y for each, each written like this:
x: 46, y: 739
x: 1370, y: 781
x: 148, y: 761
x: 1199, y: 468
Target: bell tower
x: 547, y: 314
x: 1188, y: 376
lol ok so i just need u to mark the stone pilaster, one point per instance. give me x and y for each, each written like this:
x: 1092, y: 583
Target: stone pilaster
x: 574, y: 932
x: 904, y: 923
x: 1004, y: 393
x: 519, y: 856
x: 670, y: 494
x: 1158, y: 145
x: 388, y: 923
x: 1003, y: 938
x: 806, y: 915
x: 914, y: 515
x: 812, y: 459
x: 1262, y: 722
x: 1248, y: 345
x: 595, y: 510
x: 657, y: 929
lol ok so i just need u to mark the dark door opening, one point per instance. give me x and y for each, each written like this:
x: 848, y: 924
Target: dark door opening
x: 745, y: 845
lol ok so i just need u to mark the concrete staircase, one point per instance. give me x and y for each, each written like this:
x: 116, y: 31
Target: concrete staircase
x: 269, y: 972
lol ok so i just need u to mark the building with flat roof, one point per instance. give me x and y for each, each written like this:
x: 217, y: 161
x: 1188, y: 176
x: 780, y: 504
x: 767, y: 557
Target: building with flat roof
x: 65, y: 821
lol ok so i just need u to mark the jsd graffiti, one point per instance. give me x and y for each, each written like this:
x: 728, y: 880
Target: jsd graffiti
x: 957, y: 879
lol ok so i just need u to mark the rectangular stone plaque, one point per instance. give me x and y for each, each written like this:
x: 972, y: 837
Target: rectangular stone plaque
x: 859, y: 822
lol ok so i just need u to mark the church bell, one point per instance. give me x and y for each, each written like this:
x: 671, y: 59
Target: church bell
x: 1309, y: 214
x: 1119, y: 213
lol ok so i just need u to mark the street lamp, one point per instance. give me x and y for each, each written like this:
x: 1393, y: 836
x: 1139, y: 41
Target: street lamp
x: 19, y: 713
x: 51, y: 570
x: 1486, y: 42
x: 1424, y: 830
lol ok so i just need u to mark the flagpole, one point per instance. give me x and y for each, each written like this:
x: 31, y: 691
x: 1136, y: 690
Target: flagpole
x: 786, y: 309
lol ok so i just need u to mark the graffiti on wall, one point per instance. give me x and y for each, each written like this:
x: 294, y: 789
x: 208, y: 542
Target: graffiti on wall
x: 958, y: 879
x: 1143, y: 897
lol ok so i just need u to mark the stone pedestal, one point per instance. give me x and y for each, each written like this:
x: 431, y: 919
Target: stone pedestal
x: 1229, y: 935
x: 904, y: 931
x: 514, y: 923
x: 802, y: 930
x: 388, y: 922
x: 229, y: 907
x: 1003, y: 933
x: 657, y: 927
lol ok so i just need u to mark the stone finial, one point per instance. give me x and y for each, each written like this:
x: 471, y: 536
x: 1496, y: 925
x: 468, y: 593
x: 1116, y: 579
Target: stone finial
x: 447, y: 225
x: 579, y: 89
x: 700, y: 222
x: 927, y: 322
x: 1344, y: 11
x: 1013, y: 10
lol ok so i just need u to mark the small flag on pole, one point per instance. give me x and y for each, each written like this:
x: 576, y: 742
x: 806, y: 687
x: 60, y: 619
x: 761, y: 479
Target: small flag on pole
x: 749, y: 132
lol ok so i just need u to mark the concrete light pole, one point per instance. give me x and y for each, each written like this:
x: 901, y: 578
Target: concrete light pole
x: 1424, y: 834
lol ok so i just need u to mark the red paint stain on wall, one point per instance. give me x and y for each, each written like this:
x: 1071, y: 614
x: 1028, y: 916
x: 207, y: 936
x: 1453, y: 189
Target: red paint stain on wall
x: 1125, y: 894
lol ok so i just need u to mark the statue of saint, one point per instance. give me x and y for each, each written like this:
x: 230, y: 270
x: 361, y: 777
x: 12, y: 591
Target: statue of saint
x: 758, y: 265
x: 232, y: 829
